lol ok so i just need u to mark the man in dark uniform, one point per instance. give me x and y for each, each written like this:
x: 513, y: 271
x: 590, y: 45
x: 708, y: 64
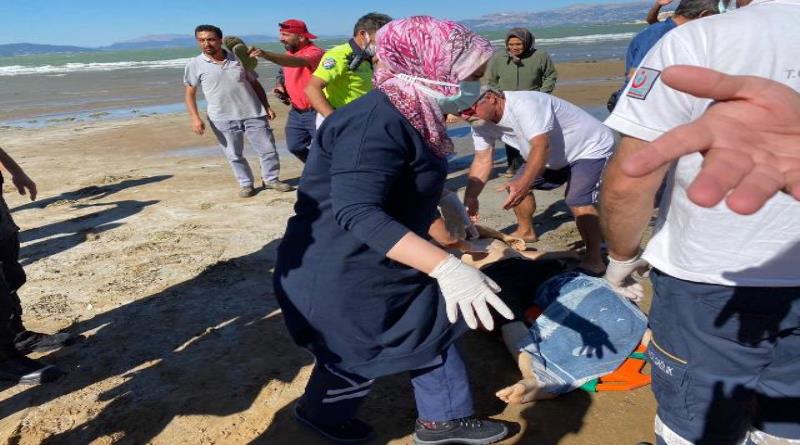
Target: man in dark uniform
x: 15, y: 340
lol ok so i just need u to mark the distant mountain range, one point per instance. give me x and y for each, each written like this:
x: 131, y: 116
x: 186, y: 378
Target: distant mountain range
x: 581, y: 14
x: 23, y: 49
x: 145, y: 42
x: 175, y: 41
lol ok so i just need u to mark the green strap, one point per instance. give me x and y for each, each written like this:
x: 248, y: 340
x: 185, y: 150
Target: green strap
x: 591, y: 385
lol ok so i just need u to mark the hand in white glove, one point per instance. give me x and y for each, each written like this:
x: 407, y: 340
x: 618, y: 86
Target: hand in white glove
x: 620, y: 275
x: 455, y: 217
x: 467, y: 289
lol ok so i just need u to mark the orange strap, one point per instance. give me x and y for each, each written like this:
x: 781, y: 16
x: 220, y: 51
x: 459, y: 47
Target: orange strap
x: 628, y: 376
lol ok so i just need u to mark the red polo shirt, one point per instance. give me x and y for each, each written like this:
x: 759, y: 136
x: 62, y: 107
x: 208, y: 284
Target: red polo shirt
x: 297, y: 77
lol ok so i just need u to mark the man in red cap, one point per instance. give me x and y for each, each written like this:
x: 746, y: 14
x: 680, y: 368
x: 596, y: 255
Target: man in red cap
x: 301, y: 59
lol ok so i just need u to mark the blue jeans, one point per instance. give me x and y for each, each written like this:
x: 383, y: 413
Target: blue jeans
x: 585, y: 331
x: 230, y: 135
x: 301, y: 127
x: 725, y: 359
x: 441, y: 390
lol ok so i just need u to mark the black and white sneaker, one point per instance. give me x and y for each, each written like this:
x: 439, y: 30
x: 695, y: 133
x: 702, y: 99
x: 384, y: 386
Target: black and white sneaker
x: 22, y: 370
x: 351, y: 431
x: 468, y: 430
x: 30, y: 341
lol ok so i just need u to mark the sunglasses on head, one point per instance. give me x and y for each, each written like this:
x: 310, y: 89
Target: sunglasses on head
x: 469, y: 112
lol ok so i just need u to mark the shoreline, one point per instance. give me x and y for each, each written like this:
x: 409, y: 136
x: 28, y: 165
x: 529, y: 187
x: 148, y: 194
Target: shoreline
x: 572, y: 76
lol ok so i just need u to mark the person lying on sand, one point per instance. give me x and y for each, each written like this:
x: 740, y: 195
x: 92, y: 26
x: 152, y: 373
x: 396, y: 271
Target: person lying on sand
x: 585, y: 329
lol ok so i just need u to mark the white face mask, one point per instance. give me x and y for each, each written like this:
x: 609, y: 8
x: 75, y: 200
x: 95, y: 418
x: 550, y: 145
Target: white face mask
x: 369, y: 48
x: 468, y: 93
x: 727, y: 6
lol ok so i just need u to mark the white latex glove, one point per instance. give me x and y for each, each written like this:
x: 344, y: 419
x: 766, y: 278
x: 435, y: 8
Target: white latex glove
x: 619, y: 275
x: 455, y: 217
x: 467, y: 289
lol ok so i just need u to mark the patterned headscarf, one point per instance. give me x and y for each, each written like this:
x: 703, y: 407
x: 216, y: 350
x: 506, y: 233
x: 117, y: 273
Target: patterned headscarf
x: 433, y: 49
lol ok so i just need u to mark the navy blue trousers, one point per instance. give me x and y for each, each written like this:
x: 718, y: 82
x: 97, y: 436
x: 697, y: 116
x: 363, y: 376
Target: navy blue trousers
x: 441, y: 391
x: 725, y: 359
x: 301, y: 127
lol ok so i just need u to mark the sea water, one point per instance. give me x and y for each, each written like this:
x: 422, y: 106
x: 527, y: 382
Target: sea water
x: 41, y: 90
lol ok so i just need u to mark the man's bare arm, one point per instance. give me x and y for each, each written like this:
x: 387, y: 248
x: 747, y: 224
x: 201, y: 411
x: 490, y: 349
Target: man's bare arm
x: 262, y: 96
x: 281, y: 59
x: 190, y: 98
x: 537, y: 160
x: 652, y: 14
x: 627, y: 203
x: 317, y: 97
x: 478, y: 176
x: 19, y: 178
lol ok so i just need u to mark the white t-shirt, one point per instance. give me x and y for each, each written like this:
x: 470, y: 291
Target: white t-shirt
x: 574, y: 133
x: 717, y: 245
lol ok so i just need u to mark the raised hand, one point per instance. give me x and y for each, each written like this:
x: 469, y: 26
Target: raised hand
x: 750, y: 138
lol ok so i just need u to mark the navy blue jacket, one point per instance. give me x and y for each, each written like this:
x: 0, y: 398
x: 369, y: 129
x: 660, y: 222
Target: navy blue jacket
x: 369, y: 180
x: 644, y: 41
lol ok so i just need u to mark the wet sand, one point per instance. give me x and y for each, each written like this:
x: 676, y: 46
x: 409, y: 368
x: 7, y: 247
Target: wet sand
x: 140, y: 244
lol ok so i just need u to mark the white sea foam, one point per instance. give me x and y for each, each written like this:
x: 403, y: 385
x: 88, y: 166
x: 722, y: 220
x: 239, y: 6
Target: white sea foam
x: 591, y: 38
x: 21, y: 70
x: 74, y: 67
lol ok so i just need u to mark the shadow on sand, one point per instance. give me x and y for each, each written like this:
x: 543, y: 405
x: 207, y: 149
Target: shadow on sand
x: 207, y: 346
x: 75, y: 231
x: 93, y: 192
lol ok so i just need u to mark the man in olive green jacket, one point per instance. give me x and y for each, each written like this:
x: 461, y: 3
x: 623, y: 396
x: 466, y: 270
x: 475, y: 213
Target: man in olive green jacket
x: 521, y: 68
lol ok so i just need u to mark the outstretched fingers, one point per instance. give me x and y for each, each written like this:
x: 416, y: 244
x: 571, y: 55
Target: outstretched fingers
x: 704, y: 82
x: 682, y: 140
x: 755, y: 189
x: 500, y: 306
x: 722, y: 171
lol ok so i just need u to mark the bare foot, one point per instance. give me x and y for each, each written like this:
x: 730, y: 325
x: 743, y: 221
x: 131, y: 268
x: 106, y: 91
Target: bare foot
x: 524, y: 391
x: 515, y: 243
x: 528, y: 237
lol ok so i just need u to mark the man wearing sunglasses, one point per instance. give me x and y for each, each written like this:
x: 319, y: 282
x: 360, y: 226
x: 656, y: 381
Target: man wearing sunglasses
x: 561, y: 144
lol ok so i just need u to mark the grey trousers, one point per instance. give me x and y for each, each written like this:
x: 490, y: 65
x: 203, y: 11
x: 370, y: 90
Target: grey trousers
x: 230, y: 135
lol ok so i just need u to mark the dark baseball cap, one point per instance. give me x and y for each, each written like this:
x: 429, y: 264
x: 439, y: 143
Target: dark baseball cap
x: 295, y: 26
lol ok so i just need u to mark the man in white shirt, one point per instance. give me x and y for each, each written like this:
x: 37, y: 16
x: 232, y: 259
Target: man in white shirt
x: 560, y: 143
x: 726, y: 311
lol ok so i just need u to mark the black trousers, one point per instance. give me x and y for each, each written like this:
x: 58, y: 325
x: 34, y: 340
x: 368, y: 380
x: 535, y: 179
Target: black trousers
x: 12, y: 277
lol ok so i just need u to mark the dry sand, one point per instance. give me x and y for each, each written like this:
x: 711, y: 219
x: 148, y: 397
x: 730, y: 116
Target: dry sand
x: 144, y: 249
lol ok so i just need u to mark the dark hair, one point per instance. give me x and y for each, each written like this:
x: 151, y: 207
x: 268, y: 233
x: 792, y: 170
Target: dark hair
x: 691, y: 9
x: 371, y: 22
x: 208, y: 28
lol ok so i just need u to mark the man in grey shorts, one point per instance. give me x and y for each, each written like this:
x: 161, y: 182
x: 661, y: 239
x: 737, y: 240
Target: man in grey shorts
x: 237, y: 107
x: 560, y: 143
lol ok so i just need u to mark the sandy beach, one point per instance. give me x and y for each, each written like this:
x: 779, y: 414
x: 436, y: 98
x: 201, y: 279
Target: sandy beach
x: 139, y: 243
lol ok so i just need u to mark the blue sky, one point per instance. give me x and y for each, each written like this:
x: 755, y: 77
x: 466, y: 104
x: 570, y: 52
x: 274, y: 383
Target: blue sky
x: 102, y: 22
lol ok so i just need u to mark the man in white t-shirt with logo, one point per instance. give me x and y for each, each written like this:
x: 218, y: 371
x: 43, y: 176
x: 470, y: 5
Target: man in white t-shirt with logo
x: 560, y: 143
x: 726, y: 311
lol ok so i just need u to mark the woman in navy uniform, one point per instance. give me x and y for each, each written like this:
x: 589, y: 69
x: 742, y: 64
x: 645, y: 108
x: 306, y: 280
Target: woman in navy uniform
x: 359, y: 283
